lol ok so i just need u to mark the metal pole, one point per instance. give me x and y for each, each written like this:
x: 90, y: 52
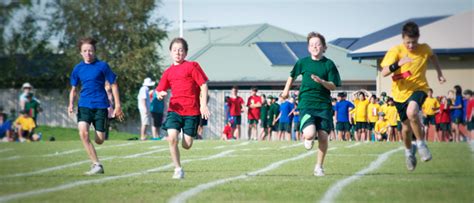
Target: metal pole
x: 181, y: 21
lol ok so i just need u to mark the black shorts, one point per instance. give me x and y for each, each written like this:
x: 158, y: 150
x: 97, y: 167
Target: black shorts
x: 429, y: 120
x: 417, y: 96
x: 322, y: 119
x: 343, y: 126
x: 236, y: 120
x: 98, y: 117
x: 399, y: 126
x: 264, y: 123
x: 202, y: 121
x: 284, y: 127
x: 445, y: 126
x: 361, y: 125
x: 370, y: 126
x: 275, y: 127
x: 253, y: 121
x: 157, y: 119
x: 188, y: 124
x: 470, y: 125
x: 296, y: 126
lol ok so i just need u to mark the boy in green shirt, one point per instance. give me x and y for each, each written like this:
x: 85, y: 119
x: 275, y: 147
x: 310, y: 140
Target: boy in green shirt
x: 320, y: 76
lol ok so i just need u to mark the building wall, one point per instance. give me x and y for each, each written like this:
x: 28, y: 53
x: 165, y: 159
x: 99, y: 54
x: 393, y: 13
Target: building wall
x: 458, y: 70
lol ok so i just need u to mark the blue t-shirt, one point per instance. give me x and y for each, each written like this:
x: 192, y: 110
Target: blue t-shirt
x: 342, y: 109
x: 285, y: 109
x: 296, y: 118
x: 457, y: 113
x: 92, y: 78
x: 7, y: 125
x: 157, y: 106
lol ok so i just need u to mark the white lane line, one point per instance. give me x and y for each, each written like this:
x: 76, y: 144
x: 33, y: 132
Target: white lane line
x: 81, y: 149
x: 334, y: 190
x: 184, y: 196
x: 102, y: 180
x: 5, y: 150
x: 472, y: 146
x: 291, y: 146
x: 237, y: 145
x: 353, y: 145
x: 60, y: 167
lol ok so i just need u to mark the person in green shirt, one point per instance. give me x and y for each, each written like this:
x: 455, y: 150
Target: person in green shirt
x: 32, y: 107
x: 264, y: 117
x: 320, y: 76
x: 273, y: 112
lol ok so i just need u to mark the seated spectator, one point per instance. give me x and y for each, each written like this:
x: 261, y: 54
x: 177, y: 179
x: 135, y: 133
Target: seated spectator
x: 381, y: 127
x: 5, y: 128
x: 227, y: 133
x: 25, y: 126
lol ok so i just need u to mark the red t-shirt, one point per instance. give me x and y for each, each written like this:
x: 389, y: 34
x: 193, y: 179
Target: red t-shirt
x: 228, y: 131
x: 184, y: 80
x: 254, y: 113
x: 235, y: 106
x: 445, y: 114
x: 470, y: 105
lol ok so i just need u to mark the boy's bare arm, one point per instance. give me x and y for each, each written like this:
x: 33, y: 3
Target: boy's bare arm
x: 118, y: 107
x: 288, y: 84
x: 387, y: 70
x: 203, y: 100
x: 435, y: 61
x: 72, y: 96
x: 327, y: 84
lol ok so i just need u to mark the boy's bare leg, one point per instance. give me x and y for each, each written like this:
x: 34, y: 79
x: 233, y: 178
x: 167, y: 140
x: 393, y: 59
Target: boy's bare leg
x: 84, y: 134
x: 187, y: 142
x: 173, y: 144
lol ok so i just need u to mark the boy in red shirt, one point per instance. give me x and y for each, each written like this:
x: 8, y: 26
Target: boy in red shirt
x: 469, y: 112
x: 254, y: 103
x: 236, y: 104
x: 445, y: 119
x: 188, y: 84
x: 227, y: 133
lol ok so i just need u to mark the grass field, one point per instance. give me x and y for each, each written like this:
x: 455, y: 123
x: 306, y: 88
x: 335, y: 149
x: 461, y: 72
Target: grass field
x: 234, y: 171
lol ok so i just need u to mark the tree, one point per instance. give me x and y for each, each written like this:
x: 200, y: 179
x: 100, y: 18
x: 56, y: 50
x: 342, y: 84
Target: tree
x: 127, y: 38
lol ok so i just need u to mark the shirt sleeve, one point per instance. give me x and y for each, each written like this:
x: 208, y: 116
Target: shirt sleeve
x: 248, y: 101
x: 333, y: 75
x: 109, y: 74
x: 390, y: 57
x: 198, y: 74
x: 296, y: 70
x: 164, y: 83
x: 74, y: 79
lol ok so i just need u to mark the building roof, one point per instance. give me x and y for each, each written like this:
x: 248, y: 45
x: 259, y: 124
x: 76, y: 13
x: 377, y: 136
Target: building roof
x: 445, y: 35
x: 259, y: 52
x: 344, y: 42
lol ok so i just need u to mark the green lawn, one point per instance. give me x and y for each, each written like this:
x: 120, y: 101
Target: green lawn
x: 67, y: 134
x: 52, y: 172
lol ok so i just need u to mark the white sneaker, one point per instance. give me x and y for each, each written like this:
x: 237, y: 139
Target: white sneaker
x: 178, y: 173
x: 411, y: 158
x: 308, y: 144
x: 319, y: 172
x: 424, y: 152
x: 95, y: 169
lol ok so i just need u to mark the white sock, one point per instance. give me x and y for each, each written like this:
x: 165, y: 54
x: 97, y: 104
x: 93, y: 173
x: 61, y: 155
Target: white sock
x: 97, y: 163
x: 178, y: 169
x: 420, y: 142
x: 318, y: 166
x: 407, y: 152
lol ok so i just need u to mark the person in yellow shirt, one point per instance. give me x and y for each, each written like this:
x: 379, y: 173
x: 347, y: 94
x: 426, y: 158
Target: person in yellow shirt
x: 372, y: 114
x: 361, y: 104
x: 381, y: 127
x: 391, y: 115
x: 407, y: 64
x: 25, y: 126
x: 429, y: 110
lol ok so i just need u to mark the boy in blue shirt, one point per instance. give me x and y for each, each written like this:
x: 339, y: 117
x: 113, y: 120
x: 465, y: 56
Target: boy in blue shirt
x: 284, y: 126
x: 91, y: 75
x: 342, y: 109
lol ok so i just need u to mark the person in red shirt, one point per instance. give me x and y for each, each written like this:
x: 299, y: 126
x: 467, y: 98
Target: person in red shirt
x: 437, y: 137
x: 236, y: 105
x: 188, y: 84
x: 254, y: 103
x: 227, y: 133
x: 445, y: 119
x: 469, y: 112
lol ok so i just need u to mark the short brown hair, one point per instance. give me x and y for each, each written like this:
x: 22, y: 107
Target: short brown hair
x: 181, y: 41
x: 318, y: 35
x: 410, y: 29
x: 86, y: 40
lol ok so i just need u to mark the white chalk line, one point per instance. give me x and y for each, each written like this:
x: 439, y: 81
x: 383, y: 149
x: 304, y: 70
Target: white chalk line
x: 334, y: 190
x: 472, y: 146
x: 102, y: 180
x: 184, y: 196
x: 5, y: 150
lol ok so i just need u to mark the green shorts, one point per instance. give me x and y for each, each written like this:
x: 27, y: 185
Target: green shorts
x: 322, y: 119
x: 457, y: 120
x: 445, y: 126
x: 361, y: 125
x: 399, y: 126
x: 264, y: 123
x: 98, y: 117
x: 253, y: 121
x: 343, y: 126
x: 236, y: 120
x: 470, y: 125
x: 296, y: 125
x: 189, y: 124
x: 430, y: 119
x: 370, y: 126
x: 275, y: 127
x: 417, y: 96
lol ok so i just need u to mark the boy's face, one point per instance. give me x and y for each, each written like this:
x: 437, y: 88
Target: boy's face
x: 361, y: 97
x: 315, y: 47
x: 380, y: 118
x: 430, y: 93
x: 254, y: 93
x: 410, y: 43
x: 177, y: 52
x: 88, y: 53
x: 234, y: 91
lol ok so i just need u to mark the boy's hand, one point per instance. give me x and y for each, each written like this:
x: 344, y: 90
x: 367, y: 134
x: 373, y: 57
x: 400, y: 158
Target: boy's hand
x: 441, y: 79
x: 70, y: 110
x: 118, y: 113
x: 205, y: 112
x: 404, y: 61
x: 162, y: 95
x: 316, y: 78
x: 284, y: 95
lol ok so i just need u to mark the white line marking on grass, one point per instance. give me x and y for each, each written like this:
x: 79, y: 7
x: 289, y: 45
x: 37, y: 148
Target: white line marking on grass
x: 353, y: 145
x: 290, y: 146
x: 145, y: 153
x: 182, y: 197
x: 5, y: 150
x: 155, y: 147
x: 334, y: 190
x: 102, y: 180
x: 81, y: 149
x: 237, y: 145
x: 472, y: 146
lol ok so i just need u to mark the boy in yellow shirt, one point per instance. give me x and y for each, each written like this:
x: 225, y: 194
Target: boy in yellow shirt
x: 430, y: 106
x: 372, y: 111
x: 407, y: 63
x: 361, y: 104
x: 25, y: 126
x: 381, y: 127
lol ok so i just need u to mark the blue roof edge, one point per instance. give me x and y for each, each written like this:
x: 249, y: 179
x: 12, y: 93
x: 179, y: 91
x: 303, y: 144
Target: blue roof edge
x: 368, y: 55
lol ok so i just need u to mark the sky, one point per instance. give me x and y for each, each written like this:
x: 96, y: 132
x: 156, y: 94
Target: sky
x: 332, y: 18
